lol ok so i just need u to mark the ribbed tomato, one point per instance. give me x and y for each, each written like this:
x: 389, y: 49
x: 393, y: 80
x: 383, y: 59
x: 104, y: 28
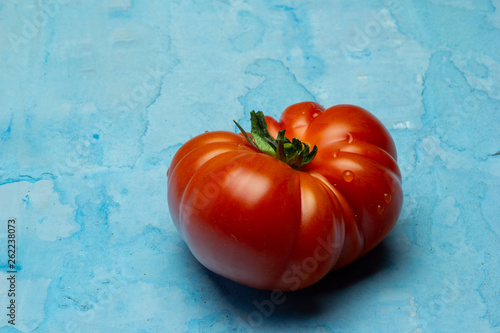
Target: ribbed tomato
x: 272, y: 213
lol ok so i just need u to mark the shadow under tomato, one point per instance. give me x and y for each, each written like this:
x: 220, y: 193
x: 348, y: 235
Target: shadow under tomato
x: 248, y: 302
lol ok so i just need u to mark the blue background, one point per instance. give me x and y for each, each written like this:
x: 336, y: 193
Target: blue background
x: 97, y: 96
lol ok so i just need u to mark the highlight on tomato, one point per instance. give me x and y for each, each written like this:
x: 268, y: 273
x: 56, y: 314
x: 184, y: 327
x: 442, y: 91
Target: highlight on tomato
x: 282, y: 206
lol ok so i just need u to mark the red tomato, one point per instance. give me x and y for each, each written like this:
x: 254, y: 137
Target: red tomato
x: 256, y: 220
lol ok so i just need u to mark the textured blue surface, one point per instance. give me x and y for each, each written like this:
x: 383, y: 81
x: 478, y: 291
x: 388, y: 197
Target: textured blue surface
x: 96, y: 97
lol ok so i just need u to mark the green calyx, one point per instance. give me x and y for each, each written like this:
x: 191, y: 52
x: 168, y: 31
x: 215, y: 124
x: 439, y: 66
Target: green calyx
x: 294, y: 153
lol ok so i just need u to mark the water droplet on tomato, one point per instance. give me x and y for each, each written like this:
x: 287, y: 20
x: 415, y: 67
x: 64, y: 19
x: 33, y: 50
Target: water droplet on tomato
x: 206, y: 131
x: 335, y: 153
x: 349, y: 137
x: 348, y: 176
x: 303, y: 112
x: 315, y: 115
x: 387, y: 198
x: 380, y: 209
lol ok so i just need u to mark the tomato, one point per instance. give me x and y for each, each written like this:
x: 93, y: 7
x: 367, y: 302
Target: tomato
x: 273, y: 213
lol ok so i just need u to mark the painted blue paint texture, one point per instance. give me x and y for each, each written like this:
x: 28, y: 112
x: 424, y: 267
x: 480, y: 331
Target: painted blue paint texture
x: 97, y: 96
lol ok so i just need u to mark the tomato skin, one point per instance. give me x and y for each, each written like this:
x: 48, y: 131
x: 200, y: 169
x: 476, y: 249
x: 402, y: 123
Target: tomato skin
x: 254, y: 219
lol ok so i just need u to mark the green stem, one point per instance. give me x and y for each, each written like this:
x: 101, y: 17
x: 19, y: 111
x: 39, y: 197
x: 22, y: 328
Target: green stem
x: 295, y: 153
